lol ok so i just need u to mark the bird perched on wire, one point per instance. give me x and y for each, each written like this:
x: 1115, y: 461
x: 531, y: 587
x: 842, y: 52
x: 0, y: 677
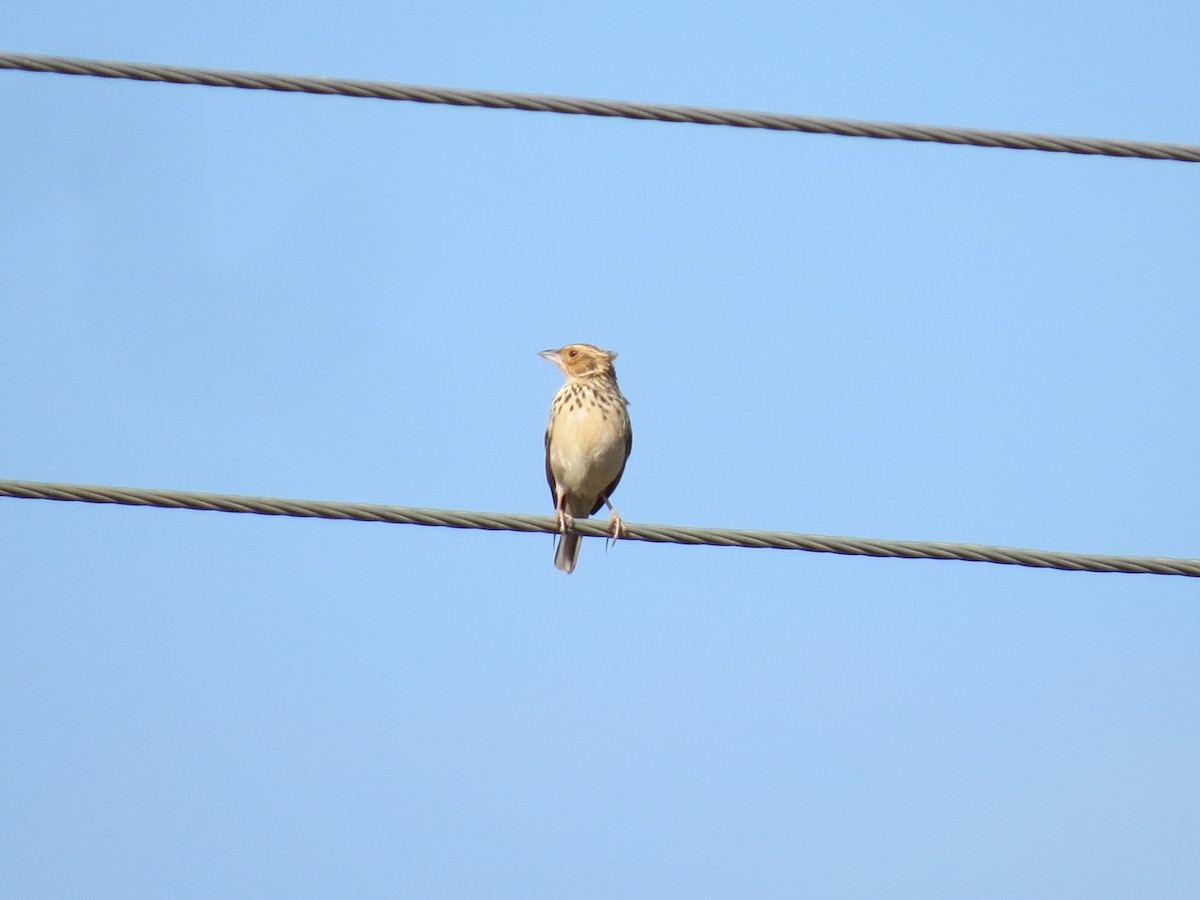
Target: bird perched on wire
x: 588, y: 440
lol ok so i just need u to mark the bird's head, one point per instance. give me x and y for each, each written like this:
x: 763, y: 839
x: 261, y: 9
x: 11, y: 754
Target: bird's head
x: 581, y: 360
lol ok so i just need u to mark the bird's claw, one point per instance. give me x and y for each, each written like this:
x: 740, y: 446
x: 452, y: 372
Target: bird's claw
x: 616, y: 526
x: 564, y: 521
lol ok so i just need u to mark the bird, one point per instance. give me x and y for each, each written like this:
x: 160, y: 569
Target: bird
x: 588, y: 441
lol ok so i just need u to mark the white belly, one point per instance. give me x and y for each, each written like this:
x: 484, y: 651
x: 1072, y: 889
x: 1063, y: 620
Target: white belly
x: 587, y: 451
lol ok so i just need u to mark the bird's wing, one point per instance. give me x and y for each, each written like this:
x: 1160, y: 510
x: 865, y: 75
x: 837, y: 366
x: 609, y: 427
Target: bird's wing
x: 608, y: 491
x: 550, y: 474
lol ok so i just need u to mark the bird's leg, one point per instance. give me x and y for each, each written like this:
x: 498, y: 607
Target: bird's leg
x: 561, y: 517
x: 616, y: 525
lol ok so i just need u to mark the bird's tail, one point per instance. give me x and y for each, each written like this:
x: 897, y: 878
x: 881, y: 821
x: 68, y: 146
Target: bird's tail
x: 567, y: 553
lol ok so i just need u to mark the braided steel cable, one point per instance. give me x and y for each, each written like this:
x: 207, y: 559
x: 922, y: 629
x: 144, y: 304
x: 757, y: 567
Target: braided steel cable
x: 662, y: 112
x: 666, y: 534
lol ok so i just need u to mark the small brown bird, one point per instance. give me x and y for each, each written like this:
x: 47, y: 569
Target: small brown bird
x: 588, y: 440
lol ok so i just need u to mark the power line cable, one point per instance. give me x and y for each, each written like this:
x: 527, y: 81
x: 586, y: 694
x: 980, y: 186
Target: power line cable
x: 662, y: 112
x: 666, y: 534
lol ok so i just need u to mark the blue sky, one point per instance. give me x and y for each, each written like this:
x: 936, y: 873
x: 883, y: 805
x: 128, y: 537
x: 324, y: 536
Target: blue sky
x: 342, y: 299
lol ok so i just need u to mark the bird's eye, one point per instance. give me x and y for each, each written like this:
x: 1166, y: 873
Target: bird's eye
x: 573, y: 353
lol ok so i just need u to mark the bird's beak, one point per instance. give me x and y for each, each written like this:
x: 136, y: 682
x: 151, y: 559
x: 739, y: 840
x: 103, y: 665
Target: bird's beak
x: 551, y: 355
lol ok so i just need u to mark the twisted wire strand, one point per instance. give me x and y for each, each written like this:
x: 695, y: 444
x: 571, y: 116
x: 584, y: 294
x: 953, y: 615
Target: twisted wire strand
x: 666, y: 534
x: 662, y: 112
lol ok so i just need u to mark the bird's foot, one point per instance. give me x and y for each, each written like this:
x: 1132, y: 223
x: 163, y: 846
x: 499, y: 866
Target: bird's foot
x: 564, y: 521
x: 616, y: 525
